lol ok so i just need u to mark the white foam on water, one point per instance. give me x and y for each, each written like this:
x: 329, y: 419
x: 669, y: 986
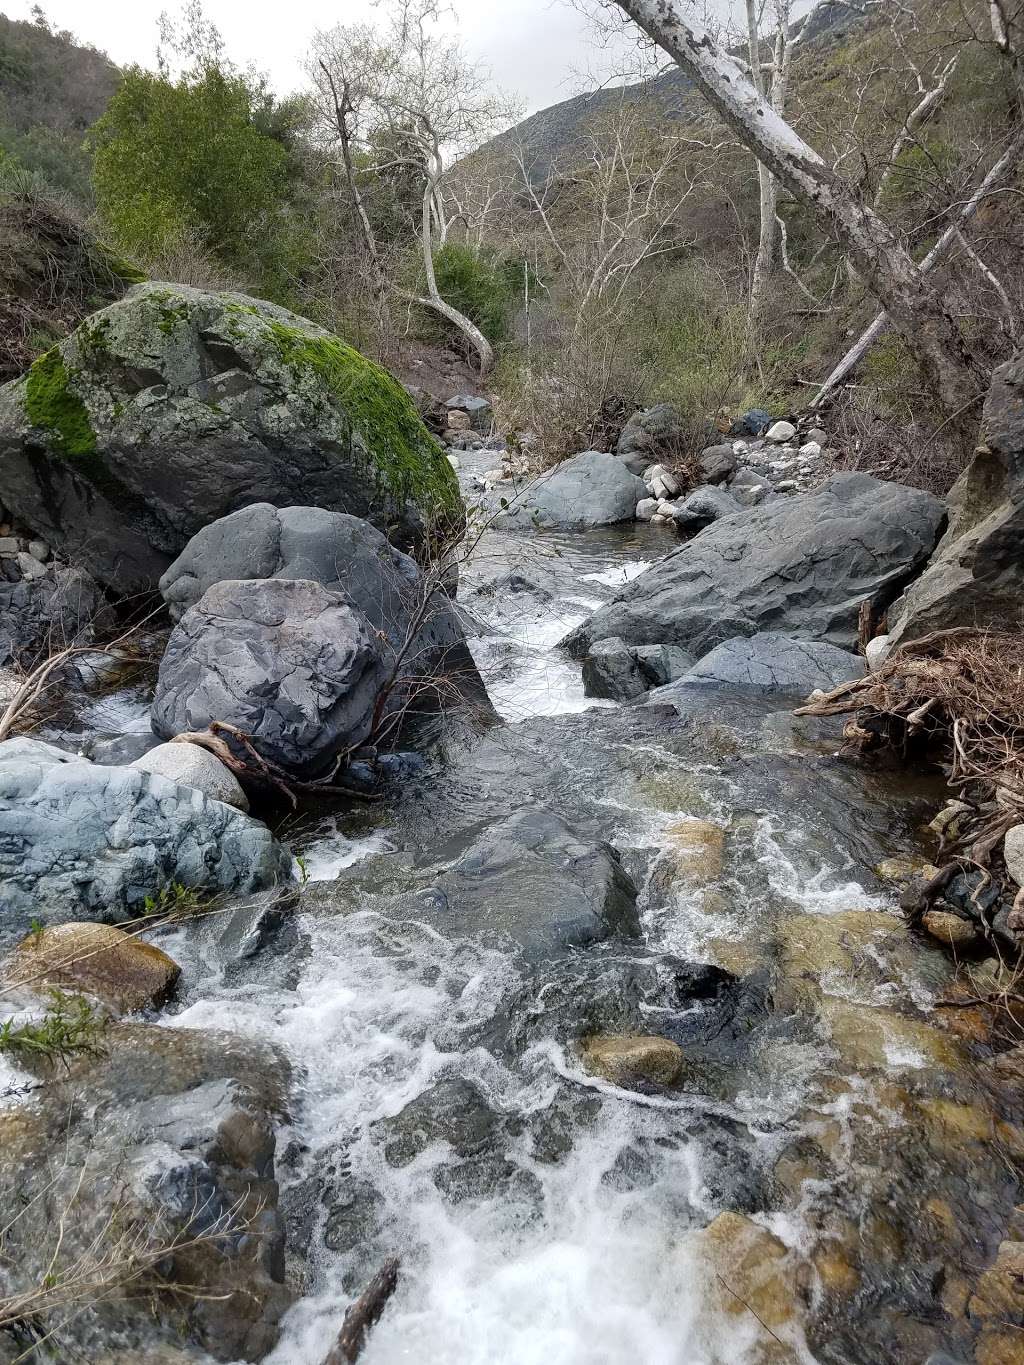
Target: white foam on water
x: 620, y: 574
x: 330, y: 854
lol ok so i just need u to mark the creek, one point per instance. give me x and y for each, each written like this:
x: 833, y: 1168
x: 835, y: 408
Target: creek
x: 832, y: 1167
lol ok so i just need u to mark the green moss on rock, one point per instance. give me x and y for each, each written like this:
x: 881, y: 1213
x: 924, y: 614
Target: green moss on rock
x: 411, y: 463
x: 53, y: 406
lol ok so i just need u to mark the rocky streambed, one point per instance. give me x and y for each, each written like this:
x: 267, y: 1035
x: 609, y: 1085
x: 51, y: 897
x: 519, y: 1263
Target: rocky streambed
x: 603, y: 1018
x: 609, y: 1027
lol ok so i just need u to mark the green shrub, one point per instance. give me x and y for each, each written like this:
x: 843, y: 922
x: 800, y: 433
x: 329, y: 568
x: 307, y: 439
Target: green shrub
x: 478, y: 284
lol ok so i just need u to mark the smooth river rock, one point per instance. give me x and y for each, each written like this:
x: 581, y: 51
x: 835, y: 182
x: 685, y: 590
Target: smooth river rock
x: 79, y: 841
x: 592, y: 489
x: 802, y: 566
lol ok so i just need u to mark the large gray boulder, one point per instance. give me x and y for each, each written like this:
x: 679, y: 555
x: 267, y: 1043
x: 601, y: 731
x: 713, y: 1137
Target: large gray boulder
x: 592, y: 489
x: 802, y: 566
x: 79, y: 841
x: 410, y: 615
x: 770, y: 662
x: 976, y: 576
x: 292, y: 665
x: 174, y: 406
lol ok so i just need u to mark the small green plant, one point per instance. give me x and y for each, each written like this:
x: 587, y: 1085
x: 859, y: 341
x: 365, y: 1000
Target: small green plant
x: 303, y: 866
x: 70, y: 1028
x: 35, y: 929
x: 173, y: 901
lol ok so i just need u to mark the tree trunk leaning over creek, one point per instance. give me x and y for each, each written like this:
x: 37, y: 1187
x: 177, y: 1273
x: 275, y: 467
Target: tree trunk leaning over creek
x: 886, y: 267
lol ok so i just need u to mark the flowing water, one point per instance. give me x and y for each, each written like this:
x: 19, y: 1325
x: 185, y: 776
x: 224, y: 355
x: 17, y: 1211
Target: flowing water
x: 803, y: 1195
x: 829, y: 1166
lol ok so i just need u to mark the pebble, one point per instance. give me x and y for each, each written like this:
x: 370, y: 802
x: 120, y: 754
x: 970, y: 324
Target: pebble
x: 787, y: 486
x: 30, y: 566
x: 812, y: 450
x: 781, y: 432
x: 39, y: 549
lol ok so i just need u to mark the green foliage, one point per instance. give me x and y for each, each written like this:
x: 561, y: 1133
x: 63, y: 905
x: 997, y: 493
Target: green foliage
x: 411, y: 463
x: 53, y: 405
x: 186, y: 156
x: 173, y: 901
x: 480, y: 285
x: 70, y: 1028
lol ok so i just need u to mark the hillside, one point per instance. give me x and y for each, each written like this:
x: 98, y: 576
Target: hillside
x: 52, y: 88
x: 548, y: 134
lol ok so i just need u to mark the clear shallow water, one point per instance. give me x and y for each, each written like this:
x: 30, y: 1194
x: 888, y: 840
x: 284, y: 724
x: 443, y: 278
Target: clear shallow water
x: 584, y: 1239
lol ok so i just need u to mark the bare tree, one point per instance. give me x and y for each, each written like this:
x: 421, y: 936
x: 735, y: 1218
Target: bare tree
x: 883, y: 261
x: 774, y: 91
x: 412, y: 90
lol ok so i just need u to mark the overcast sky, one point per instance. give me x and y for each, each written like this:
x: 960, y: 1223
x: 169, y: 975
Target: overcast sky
x: 531, y: 46
x: 538, y: 49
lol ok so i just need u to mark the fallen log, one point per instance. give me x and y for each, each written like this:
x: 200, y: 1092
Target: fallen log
x: 363, y: 1314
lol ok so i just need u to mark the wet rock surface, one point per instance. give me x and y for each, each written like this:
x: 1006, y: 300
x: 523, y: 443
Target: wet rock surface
x: 809, y: 562
x: 591, y: 489
x: 83, y: 841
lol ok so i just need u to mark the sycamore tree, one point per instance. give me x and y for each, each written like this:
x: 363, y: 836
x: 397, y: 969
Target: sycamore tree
x: 903, y: 287
x: 403, y: 98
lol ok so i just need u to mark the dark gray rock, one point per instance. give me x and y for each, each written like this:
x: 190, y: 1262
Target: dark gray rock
x: 175, y: 406
x: 347, y: 556
x: 649, y: 436
x: 717, y: 463
x: 288, y: 662
x: 976, y: 576
x: 478, y: 410
x: 531, y: 879
x: 620, y: 672
x: 592, y: 489
x: 770, y: 662
x: 41, y: 615
x: 80, y: 841
x: 752, y: 423
x: 701, y: 507
x: 802, y: 566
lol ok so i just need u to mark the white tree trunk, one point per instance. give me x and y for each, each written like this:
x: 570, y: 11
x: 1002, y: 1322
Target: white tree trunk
x: 884, y: 264
x: 433, y: 299
x: 767, y: 246
x: 998, y: 176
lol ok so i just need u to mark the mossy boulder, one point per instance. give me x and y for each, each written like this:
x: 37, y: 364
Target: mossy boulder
x: 176, y: 406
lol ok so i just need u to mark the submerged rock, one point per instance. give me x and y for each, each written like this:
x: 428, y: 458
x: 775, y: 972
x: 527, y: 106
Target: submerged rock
x: 79, y: 841
x: 532, y: 880
x: 120, y: 969
x: 174, y: 406
x: 172, y: 1152
x: 624, y: 1059
x: 291, y: 664
x: 804, y: 565
x: 589, y: 490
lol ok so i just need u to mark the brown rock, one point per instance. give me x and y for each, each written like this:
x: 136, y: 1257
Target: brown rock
x: 949, y: 929
x: 122, y: 970
x: 754, y: 1276
x: 999, y: 1292
x: 625, y: 1059
x: 698, y: 848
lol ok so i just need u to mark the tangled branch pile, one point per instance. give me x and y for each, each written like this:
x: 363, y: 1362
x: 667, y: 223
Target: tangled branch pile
x: 959, y: 696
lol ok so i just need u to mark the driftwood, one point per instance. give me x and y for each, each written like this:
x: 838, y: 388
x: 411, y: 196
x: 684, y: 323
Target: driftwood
x: 236, y: 751
x: 960, y: 694
x: 363, y: 1314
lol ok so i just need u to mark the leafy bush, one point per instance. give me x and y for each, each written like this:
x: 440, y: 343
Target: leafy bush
x: 184, y: 160
x: 479, y: 285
